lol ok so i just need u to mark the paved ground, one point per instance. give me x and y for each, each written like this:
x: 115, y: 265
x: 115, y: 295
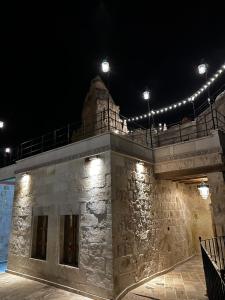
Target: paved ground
x: 17, y: 288
x: 185, y: 282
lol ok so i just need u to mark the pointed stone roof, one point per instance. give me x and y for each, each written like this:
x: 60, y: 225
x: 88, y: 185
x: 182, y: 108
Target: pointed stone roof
x: 98, y: 83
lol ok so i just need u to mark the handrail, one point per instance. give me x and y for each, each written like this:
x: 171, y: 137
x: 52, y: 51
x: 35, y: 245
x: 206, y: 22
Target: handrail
x: 176, y: 132
x: 213, y: 262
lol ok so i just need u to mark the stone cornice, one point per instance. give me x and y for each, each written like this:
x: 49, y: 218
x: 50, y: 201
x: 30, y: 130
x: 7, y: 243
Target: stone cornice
x: 65, y: 159
x: 216, y: 150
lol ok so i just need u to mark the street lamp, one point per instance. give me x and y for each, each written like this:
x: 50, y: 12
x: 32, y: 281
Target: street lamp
x: 7, y: 150
x: 1, y: 124
x: 146, y: 96
x: 105, y: 67
x: 203, y: 69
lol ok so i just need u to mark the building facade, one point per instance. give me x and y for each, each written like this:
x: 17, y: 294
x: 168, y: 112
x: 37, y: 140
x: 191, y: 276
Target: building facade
x: 106, y: 212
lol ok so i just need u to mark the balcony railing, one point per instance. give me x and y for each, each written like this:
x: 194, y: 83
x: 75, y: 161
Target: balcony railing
x: 213, y: 256
x: 113, y: 122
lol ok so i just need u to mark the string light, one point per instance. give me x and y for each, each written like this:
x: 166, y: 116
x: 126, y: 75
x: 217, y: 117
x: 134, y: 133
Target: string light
x: 189, y: 99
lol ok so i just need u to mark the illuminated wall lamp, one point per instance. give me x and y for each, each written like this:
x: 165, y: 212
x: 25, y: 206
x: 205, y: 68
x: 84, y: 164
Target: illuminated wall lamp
x: 91, y: 158
x: 203, y: 190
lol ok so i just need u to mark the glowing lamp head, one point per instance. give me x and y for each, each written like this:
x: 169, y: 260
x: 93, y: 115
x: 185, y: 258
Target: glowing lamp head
x: 105, y: 66
x: 7, y: 150
x: 203, y: 190
x: 146, y: 95
x: 1, y: 124
x: 202, y: 69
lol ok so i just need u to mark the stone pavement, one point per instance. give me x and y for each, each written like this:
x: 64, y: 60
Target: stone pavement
x: 185, y: 282
x: 14, y: 287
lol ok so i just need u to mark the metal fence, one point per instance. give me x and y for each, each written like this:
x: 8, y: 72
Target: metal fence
x: 111, y: 121
x: 188, y: 130
x: 213, y: 256
x: 105, y: 121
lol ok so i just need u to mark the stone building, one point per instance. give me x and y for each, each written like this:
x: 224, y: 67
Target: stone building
x: 105, y: 213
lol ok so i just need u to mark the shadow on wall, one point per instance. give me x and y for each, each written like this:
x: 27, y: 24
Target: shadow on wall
x: 6, y: 202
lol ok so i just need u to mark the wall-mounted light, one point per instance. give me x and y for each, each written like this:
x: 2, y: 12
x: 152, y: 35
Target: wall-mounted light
x: 203, y: 190
x: 91, y: 158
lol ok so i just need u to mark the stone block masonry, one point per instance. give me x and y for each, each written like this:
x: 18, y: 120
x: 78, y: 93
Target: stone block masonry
x: 154, y: 222
x: 132, y: 225
x: 74, y: 187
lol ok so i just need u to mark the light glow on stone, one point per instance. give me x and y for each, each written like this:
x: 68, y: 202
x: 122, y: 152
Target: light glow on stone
x: 203, y: 190
x: 140, y: 167
x: 25, y: 184
x: 94, y: 167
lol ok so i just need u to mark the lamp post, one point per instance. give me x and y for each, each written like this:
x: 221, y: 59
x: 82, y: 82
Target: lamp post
x: 105, y: 67
x: 203, y: 69
x: 146, y: 96
x: 1, y: 124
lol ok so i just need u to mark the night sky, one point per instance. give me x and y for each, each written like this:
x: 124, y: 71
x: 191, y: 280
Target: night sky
x: 47, y: 61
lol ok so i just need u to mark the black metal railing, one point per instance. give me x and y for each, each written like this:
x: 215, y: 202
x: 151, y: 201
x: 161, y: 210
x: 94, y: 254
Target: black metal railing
x: 189, y: 130
x: 213, y: 257
x: 97, y: 124
x: 112, y: 121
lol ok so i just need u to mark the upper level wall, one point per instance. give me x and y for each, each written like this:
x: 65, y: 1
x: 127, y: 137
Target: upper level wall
x: 199, y: 155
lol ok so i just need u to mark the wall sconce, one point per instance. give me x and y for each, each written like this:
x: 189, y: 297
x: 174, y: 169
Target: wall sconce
x: 91, y: 158
x: 203, y: 190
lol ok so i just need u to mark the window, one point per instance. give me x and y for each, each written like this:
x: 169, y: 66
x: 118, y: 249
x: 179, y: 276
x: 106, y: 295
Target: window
x: 69, y: 248
x: 39, y: 245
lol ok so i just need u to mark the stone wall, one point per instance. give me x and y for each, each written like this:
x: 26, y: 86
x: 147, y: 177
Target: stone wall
x: 74, y: 187
x: 6, y: 200
x: 154, y: 222
x: 217, y: 190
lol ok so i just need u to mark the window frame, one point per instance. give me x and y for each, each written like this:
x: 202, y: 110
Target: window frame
x: 62, y: 260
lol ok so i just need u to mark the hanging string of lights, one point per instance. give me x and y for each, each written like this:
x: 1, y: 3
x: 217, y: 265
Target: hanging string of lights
x: 190, y: 99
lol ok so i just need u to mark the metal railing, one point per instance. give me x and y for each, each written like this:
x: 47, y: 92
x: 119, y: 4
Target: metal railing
x: 99, y: 123
x: 111, y: 121
x: 213, y: 257
x: 181, y: 132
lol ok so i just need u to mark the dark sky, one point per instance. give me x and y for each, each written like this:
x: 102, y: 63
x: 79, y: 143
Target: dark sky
x: 47, y: 61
